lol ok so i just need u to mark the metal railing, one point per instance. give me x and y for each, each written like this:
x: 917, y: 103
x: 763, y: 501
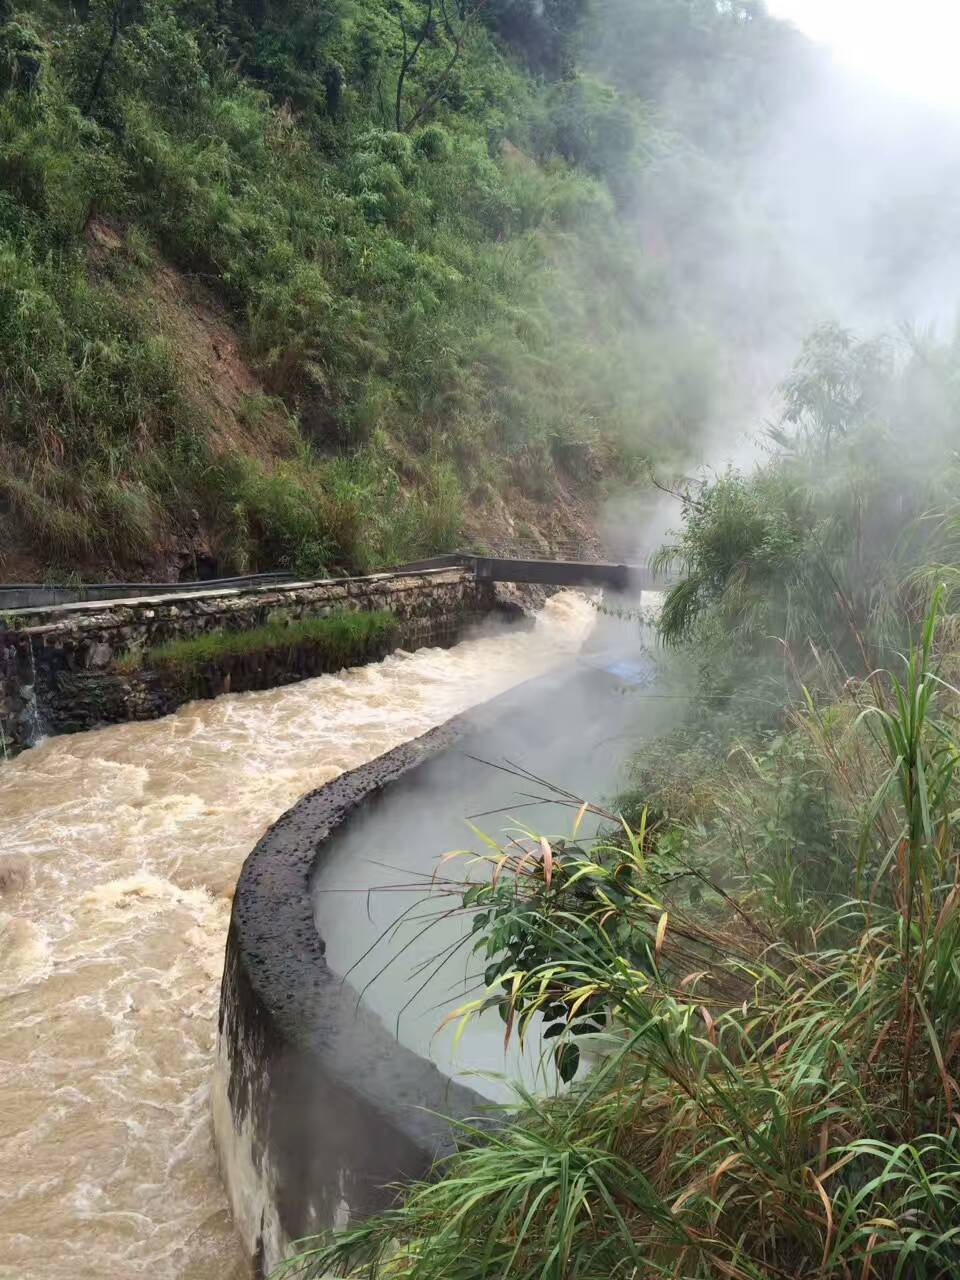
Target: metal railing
x: 34, y: 595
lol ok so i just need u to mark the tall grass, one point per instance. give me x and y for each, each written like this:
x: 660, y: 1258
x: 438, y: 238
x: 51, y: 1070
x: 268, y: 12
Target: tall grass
x: 767, y: 1101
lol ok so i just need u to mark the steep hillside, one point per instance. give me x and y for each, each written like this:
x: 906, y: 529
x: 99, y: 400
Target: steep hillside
x: 332, y: 286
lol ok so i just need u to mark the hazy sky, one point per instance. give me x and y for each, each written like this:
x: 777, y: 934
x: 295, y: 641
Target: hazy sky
x: 912, y: 46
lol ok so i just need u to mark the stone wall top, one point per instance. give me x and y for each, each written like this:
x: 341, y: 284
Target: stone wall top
x: 100, y: 615
x: 318, y: 1109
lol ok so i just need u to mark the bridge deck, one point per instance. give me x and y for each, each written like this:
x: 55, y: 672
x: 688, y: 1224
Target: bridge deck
x: 563, y: 573
x: 535, y: 567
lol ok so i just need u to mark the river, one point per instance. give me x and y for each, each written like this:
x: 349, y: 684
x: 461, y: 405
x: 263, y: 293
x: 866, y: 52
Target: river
x: 119, y: 850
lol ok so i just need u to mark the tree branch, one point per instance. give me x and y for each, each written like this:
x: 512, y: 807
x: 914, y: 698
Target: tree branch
x: 459, y: 38
x: 105, y: 57
x: 432, y: 99
x: 409, y: 57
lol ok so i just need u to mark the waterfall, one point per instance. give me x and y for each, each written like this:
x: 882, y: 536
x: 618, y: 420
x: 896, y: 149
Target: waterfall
x: 29, y: 695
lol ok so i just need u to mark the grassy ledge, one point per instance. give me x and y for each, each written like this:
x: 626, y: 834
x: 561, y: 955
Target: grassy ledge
x: 345, y: 639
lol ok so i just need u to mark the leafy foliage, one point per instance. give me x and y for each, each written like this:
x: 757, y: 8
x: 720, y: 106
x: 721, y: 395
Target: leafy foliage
x: 419, y: 241
x: 772, y: 1090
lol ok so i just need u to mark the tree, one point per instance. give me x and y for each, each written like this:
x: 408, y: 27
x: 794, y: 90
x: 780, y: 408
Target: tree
x: 413, y: 40
x: 108, y: 22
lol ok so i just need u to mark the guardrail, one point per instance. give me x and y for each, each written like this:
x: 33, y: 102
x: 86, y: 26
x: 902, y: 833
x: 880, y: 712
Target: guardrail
x: 500, y: 561
x: 29, y: 595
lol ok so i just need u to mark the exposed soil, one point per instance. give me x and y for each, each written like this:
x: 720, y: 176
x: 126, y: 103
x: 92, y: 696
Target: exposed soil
x: 217, y: 372
x: 220, y: 383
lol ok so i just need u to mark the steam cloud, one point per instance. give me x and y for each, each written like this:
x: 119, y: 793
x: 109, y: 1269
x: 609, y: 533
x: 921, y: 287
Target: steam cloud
x: 841, y: 209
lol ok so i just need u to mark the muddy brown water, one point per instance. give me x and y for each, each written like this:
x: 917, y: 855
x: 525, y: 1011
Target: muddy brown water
x: 119, y: 850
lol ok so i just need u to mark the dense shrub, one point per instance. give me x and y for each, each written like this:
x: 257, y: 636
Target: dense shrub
x: 460, y: 288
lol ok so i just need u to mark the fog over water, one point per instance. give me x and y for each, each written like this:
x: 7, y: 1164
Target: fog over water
x: 574, y: 729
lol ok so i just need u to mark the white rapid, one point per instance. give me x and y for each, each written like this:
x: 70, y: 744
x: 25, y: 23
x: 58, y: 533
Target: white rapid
x: 119, y: 851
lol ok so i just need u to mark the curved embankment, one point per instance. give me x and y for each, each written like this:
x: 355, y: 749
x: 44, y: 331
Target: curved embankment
x: 320, y: 1110
x: 317, y: 1109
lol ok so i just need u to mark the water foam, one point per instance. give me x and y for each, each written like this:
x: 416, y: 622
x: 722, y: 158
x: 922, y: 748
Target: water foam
x: 24, y: 951
x: 111, y: 948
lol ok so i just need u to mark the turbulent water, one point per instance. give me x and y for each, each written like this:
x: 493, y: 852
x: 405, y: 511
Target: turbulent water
x: 119, y: 851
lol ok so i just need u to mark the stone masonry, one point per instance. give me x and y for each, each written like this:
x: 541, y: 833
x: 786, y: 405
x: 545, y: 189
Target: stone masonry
x: 58, y: 665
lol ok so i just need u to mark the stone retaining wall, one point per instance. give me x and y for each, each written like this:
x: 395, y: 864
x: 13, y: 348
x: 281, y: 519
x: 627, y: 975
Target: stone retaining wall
x: 58, y: 665
x: 318, y: 1111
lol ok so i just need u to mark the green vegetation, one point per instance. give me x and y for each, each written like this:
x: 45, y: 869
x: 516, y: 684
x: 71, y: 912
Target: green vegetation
x: 760, y: 959
x: 816, y: 551
x: 343, y: 639
x: 415, y: 217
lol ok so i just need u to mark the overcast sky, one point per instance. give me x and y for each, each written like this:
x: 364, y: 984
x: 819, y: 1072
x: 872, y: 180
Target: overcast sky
x: 912, y: 46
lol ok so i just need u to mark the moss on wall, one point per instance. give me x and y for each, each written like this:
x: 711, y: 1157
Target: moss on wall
x: 344, y: 639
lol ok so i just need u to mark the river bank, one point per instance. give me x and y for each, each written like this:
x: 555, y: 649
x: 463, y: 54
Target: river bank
x: 333, y: 1077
